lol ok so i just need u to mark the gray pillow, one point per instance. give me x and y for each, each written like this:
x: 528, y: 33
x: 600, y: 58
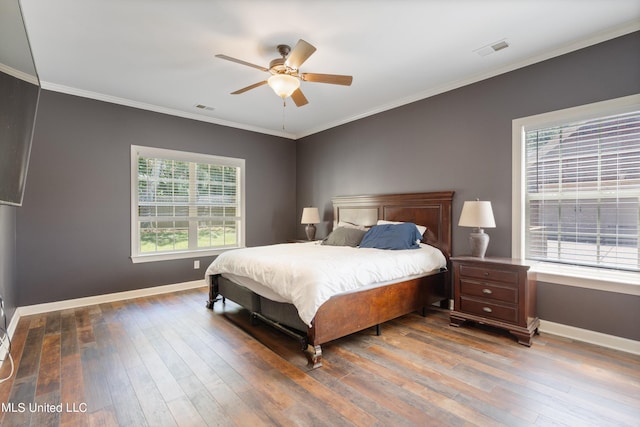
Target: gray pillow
x: 343, y: 236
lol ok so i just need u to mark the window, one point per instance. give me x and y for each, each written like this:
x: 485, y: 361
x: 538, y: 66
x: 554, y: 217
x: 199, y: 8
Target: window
x: 579, y: 186
x: 184, y: 204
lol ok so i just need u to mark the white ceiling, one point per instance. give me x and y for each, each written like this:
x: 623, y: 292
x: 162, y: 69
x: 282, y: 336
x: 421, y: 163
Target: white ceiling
x: 159, y: 54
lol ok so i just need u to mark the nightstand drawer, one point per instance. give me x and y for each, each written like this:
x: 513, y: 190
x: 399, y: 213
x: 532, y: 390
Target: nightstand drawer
x: 489, y: 310
x: 488, y: 291
x: 489, y: 274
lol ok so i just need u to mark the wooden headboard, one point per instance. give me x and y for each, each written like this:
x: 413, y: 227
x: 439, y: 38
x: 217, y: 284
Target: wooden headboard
x: 432, y: 210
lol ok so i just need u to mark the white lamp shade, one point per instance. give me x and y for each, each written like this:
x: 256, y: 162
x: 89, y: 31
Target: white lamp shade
x: 283, y: 84
x: 310, y: 216
x: 477, y: 214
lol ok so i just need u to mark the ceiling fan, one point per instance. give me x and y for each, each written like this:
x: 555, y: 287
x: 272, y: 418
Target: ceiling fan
x: 285, y: 73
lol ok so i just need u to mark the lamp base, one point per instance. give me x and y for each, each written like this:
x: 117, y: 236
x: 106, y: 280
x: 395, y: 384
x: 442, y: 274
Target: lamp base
x: 310, y: 229
x: 479, y: 241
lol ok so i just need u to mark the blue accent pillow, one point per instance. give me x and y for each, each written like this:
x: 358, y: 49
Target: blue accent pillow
x: 392, y: 236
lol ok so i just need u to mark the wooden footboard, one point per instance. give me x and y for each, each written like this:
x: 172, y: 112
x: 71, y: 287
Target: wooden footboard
x: 348, y: 313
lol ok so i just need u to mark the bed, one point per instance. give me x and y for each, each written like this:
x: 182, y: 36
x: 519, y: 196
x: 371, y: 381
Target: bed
x: 354, y: 310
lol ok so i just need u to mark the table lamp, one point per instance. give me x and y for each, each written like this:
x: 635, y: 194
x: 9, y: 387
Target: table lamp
x: 477, y: 214
x: 310, y: 216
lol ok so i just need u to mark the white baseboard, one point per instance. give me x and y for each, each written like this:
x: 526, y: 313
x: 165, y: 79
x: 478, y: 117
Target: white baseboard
x: 101, y: 299
x: 98, y: 299
x: 592, y: 337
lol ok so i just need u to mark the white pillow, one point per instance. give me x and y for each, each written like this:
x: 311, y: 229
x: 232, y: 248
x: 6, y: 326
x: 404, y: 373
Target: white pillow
x: 350, y: 225
x: 421, y: 228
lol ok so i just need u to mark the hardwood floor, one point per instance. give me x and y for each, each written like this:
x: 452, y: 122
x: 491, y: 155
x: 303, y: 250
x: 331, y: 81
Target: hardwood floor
x: 167, y: 360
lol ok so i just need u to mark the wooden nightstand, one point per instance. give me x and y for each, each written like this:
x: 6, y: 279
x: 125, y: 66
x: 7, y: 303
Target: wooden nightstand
x: 495, y: 291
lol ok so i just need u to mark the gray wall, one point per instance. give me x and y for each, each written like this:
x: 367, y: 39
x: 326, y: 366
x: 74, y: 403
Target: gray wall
x: 74, y: 226
x: 594, y: 310
x: 18, y: 101
x: 461, y: 140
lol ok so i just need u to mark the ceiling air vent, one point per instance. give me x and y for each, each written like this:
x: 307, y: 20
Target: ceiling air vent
x: 204, y: 107
x: 494, y: 47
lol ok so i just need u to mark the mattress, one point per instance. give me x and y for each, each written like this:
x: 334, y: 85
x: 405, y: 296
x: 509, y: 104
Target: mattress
x: 308, y: 274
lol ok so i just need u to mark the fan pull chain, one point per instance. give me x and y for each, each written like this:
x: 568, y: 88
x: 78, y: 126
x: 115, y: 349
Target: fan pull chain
x: 284, y: 105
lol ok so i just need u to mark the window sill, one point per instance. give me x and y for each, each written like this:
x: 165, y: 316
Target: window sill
x: 168, y: 256
x: 623, y: 282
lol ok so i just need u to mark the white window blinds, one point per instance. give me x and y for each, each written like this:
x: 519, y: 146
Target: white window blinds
x: 582, y: 183
x: 185, y: 202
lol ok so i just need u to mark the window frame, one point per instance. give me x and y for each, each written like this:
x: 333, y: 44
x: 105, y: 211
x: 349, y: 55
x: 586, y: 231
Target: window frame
x: 572, y: 275
x: 168, y: 154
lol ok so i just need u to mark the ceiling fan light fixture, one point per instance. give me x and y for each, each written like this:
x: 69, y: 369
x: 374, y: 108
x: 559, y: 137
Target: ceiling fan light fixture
x: 283, y: 84
x: 285, y: 75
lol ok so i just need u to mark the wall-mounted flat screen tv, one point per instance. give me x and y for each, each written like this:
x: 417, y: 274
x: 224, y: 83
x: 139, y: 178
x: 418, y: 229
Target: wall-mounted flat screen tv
x: 19, y: 94
x: 18, y: 105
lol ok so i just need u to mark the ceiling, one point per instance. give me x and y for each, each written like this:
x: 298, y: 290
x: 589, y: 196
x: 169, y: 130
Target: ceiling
x: 159, y: 54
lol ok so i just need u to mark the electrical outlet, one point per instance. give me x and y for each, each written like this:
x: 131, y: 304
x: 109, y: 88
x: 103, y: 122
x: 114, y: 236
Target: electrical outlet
x: 196, y: 264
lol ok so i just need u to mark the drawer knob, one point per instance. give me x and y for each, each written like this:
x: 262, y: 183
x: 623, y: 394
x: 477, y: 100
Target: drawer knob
x: 486, y: 309
x: 487, y: 291
x: 486, y: 274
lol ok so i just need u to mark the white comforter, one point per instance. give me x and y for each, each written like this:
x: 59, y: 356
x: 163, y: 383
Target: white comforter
x: 308, y: 274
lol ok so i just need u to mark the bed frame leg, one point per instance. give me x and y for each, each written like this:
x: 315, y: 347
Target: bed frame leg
x: 378, y: 330
x: 254, y: 319
x: 213, y: 291
x: 314, y: 355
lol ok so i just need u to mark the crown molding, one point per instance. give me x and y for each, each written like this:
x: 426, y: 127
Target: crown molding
x: 29, y: 78
x: 628, y: 28
x: 158, y: 109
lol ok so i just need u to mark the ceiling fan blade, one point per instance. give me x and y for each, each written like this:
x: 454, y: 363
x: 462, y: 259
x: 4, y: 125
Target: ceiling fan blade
x: 327, y: 78
x: 298, y: 98
x: 300, y: 53
x: 240, y: 61
x: 253, y: 86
